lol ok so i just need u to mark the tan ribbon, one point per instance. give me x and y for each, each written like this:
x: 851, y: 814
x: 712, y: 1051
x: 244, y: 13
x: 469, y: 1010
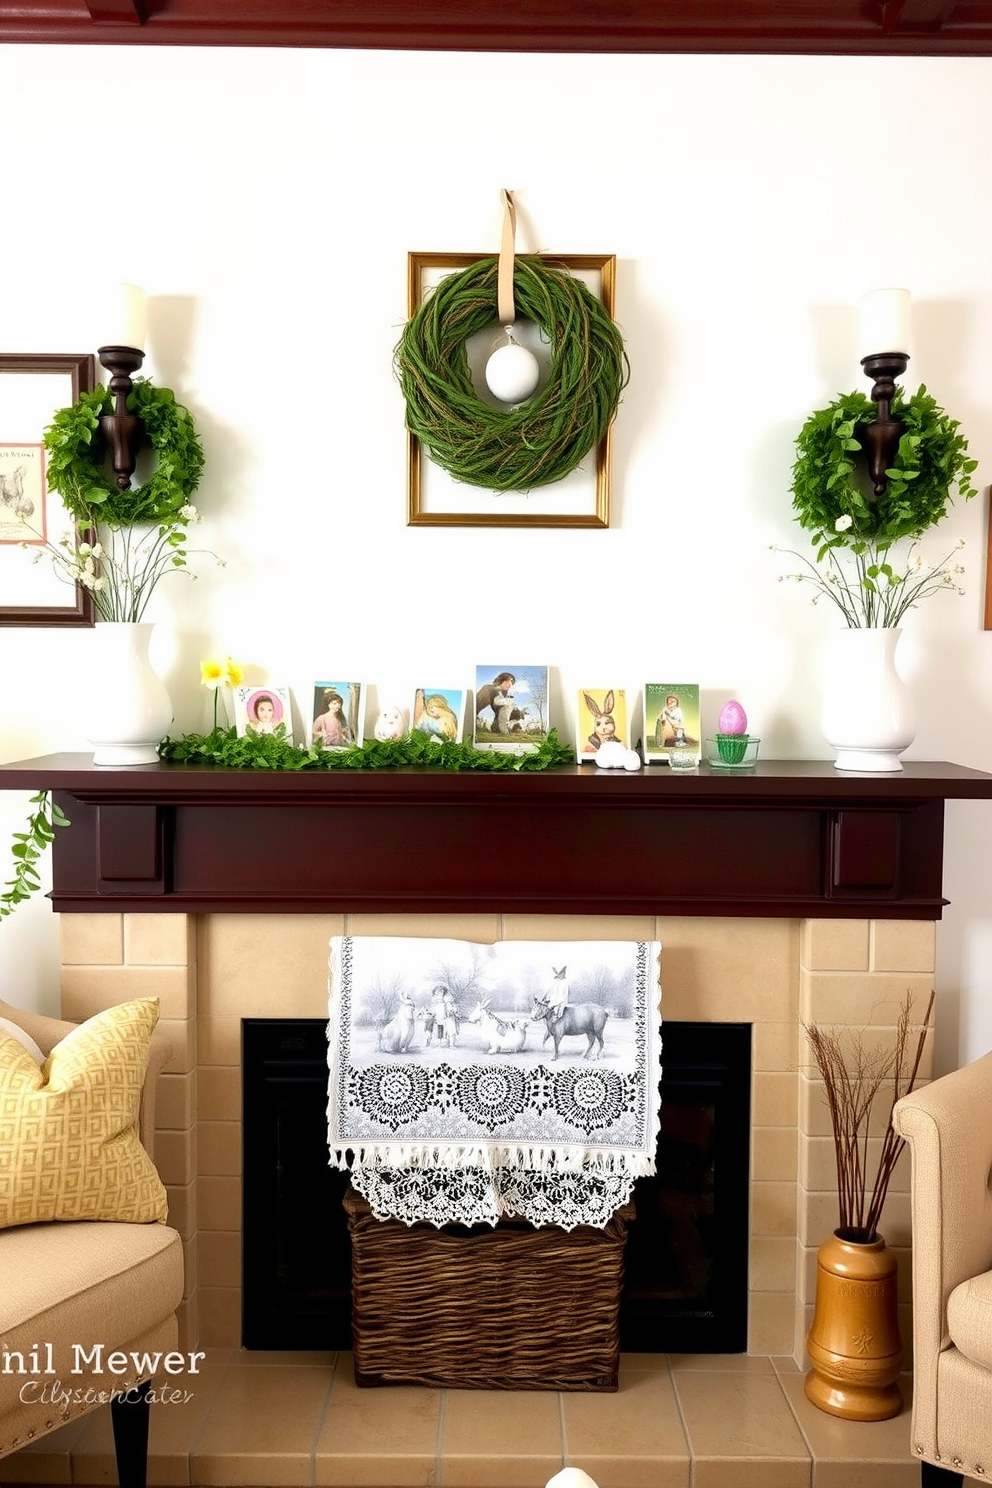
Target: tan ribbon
x: 504, y: 282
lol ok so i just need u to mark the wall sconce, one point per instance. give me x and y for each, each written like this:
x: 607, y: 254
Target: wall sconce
x: 122, y: 356
x: 885, y: 330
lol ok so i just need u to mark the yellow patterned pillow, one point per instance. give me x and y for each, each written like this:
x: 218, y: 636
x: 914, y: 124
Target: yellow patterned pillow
x: 69, y: 1145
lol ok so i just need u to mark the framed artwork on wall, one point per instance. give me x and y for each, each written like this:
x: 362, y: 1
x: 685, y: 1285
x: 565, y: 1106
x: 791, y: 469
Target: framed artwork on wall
x: 33, y: 387
x: 434, y: 497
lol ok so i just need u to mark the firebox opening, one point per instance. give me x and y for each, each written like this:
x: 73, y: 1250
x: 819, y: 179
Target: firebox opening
x: 686, y: 1258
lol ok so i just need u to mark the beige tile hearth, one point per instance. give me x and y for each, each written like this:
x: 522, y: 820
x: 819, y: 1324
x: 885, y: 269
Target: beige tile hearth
x: 277, y: 1420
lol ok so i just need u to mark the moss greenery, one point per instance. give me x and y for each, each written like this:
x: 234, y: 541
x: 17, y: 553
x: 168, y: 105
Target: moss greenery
x: 223, y: 747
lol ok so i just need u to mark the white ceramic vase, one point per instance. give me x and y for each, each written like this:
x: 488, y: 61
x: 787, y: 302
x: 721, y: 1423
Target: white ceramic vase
x: 868, y: 714
x: 130, y: 708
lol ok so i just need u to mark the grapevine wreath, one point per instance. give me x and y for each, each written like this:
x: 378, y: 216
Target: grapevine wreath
x: 76, y: 454
x: 827, y: 477
x: 536, y: 442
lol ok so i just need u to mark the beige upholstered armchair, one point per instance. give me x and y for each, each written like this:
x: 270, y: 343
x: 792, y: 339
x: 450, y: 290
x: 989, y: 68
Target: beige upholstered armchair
x: 948, y: 1127
x: 73, y: 1293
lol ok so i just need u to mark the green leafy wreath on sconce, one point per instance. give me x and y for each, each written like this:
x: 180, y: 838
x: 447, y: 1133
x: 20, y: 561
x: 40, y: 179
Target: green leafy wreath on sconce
x: 536, y: 442
x: 75, y: 454
x: 932, y: 459
x: 867, y: 563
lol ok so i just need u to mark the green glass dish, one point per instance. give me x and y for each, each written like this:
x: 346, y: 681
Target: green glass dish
x: 732, y: 751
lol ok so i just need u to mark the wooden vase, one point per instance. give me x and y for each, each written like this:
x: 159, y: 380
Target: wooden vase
x: 854, y: 1344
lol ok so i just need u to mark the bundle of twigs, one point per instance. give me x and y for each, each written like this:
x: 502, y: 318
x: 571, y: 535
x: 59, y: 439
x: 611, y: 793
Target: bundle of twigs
x: 855, y: 1076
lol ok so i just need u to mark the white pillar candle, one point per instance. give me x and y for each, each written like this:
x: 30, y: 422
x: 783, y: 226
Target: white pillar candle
x: 885, y: 322
x: 122, y: 317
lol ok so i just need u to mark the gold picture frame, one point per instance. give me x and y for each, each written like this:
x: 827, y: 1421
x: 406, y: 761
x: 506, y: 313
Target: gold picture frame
x: 436, y: 499
x: 33, y: 387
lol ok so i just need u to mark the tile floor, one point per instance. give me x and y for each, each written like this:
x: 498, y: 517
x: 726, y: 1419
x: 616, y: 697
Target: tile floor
x: 278, y: 1420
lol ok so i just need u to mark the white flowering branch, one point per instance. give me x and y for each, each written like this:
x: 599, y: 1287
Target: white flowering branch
x: 123, y: 565
x: 860, y: 579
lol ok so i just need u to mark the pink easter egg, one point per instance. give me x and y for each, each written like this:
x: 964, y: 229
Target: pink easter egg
x: 733, y: 719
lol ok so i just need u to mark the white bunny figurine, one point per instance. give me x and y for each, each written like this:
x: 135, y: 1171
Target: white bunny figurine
x: 390, y: 724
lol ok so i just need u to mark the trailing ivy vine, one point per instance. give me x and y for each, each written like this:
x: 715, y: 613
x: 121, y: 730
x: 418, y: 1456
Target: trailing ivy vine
x: 28, y: 849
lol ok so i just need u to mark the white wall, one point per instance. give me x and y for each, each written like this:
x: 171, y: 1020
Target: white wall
x: 268, y: 202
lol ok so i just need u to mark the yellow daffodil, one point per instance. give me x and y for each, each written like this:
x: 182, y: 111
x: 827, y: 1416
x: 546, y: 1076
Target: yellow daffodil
x: 212, y: 672
x: 216, y: 671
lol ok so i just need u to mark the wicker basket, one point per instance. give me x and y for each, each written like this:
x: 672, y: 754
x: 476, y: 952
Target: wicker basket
x: 483, y: 1308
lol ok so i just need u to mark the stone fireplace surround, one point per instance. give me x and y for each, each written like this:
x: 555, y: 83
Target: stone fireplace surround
x: 209, y: 972
x: 797, y: 895
x: 785, y: 895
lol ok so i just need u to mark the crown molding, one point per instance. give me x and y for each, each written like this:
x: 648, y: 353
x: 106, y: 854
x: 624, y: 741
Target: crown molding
x: 824, y: 27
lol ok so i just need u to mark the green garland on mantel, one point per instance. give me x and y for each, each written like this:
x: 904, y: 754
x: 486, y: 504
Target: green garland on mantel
x: 224, y: 748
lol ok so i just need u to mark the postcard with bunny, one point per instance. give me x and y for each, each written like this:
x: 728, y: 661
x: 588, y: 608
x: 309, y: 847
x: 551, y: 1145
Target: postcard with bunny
x: 511, y: 708
x: 338, y: 714
x: 263, y: 710
x: 600, y: 714
x: 671, y: 721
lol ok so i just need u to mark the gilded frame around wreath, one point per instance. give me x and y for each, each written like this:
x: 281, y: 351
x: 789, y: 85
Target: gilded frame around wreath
x: 33, y: 387
x: 436, y: 499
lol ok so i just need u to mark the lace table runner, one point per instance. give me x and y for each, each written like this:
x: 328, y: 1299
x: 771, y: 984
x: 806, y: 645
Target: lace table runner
x: 468, y: 1081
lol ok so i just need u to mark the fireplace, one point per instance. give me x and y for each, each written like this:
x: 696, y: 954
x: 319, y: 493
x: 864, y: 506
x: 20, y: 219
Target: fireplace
x: 686, y: 1256
x: 787, y: 894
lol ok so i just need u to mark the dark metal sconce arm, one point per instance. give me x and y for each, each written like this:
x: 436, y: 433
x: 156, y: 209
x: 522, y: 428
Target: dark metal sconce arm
x: 123, y: 432
x: 880, y: 440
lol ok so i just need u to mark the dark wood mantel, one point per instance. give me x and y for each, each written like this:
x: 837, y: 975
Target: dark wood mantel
x: 791, y: 838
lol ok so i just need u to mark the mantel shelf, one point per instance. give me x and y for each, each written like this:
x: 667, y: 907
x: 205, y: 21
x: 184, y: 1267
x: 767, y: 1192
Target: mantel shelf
x: 790, y: 838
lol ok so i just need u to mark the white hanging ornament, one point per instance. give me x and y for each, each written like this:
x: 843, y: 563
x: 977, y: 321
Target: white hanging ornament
x: 512, y: 372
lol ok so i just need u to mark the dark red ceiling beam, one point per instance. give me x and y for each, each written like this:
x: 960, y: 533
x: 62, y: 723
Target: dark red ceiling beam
x: 828, y: 27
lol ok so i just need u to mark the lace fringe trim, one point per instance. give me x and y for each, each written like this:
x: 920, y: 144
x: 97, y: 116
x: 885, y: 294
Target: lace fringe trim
x: 489, y: 1156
